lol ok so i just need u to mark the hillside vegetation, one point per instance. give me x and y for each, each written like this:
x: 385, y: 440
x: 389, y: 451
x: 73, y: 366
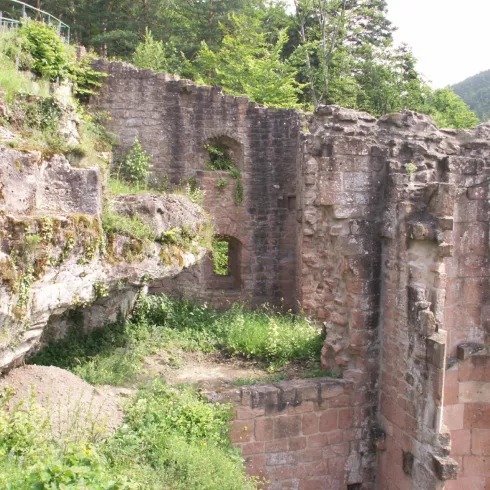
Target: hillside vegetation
x: 324, y: 52
x: 475, y: 91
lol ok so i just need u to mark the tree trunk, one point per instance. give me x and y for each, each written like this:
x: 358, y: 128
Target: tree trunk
x: 302, y: 34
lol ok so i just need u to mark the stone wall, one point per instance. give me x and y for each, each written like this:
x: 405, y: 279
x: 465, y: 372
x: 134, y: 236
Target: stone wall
x: 379, y: 229
x: 174, y: 119
x: 297, y: 434
x: 467, y: 415
x: 393, y: 215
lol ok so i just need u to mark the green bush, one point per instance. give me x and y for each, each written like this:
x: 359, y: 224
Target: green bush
x: 115, y: 368
x: 47, y: 50
x: 44, y: 114
x: 31, y: 458
x: 135, y: 166
x: 171, y: 440
x: 182, y: 437
x: 218, y: 156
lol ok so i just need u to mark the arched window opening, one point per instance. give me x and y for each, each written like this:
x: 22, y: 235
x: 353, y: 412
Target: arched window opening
x: 221, y: 257
x: 224, y: 269
x: 224, y: 153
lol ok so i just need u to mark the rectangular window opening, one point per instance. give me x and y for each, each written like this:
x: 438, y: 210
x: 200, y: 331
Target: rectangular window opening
x: 221, y: 258
x: 354, y: 486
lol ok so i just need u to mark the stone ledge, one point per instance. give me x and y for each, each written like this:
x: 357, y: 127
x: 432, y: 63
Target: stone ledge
x: 278, y: 396
x: 445, y: 468
x: 469, y: 349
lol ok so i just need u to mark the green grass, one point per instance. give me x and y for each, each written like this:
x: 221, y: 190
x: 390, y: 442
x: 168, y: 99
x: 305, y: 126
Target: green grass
x: 133, y: 227
x: 171, y: 440
x: 255, y: 334
x: 114, y: 354
x: 117, y: 187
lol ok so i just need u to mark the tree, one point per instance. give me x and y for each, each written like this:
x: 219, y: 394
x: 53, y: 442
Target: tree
x: 157, y: 56
x: 449, y: 110
x: 247, y: 64
x: 320, y: 25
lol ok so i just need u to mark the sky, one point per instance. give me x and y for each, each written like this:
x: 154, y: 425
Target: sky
x: 450, y: 38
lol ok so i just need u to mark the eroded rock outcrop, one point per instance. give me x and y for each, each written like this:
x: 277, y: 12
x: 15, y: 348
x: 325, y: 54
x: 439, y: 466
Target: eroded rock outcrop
x: 55, y: 255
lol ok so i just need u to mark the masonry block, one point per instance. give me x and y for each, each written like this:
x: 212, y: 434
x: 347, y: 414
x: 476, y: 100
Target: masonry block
x: 446, y: 468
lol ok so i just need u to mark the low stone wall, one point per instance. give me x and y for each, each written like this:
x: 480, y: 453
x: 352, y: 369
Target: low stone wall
x: 304, y: 434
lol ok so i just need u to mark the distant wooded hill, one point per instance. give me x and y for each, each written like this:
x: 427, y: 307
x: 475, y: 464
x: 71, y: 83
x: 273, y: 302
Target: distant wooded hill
x: 475, y: 91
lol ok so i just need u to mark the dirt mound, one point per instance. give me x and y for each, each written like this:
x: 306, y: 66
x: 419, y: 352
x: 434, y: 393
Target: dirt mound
x: 76, y: 408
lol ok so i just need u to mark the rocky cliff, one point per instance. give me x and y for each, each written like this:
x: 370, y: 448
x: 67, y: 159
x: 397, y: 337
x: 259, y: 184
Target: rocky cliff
x: 56, y: 256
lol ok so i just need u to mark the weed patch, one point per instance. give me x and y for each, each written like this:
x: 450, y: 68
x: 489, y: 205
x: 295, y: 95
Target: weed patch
x: 171, y: 439
x: 114, y: 223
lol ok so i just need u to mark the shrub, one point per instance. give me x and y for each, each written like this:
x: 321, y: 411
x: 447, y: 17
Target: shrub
x: 87, y: 80
x: 134, y: 167
x: 47, y: 50
x: 44, y: 114
x: 31, y: 458
x: 182, y: 437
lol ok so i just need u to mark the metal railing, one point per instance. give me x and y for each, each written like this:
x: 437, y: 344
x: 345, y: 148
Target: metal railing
x: 24, y: 9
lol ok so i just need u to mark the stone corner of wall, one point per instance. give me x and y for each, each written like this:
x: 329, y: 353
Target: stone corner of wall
x: 278, y: 396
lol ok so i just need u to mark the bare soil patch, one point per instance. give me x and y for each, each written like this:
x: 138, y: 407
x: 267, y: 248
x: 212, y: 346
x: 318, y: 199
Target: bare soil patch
x: 76, y: 409
x: 214, y: 370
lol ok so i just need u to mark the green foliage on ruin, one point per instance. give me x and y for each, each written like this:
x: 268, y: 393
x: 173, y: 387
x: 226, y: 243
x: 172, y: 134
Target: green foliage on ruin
x: 133, y: 227
x: 171, y: 439
x: 159, y: 322
x: 219, y: 158
x: 134, y: 167
x: 221, y: 257
x: 30, y: 59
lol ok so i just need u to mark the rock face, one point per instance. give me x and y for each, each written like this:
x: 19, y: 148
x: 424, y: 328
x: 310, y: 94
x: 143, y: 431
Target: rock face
x: 55, y: 256
x: 380, y: 230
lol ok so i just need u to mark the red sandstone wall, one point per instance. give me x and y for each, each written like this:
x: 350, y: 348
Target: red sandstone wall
x: 299, y: 434
x: 378, y: 248
x: 396, y: 266
x: 467, y: 319
x: 467, y: 416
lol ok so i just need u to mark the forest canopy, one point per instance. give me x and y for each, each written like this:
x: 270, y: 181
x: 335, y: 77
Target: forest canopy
x: 299, y: 53
x: 475, y: 91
